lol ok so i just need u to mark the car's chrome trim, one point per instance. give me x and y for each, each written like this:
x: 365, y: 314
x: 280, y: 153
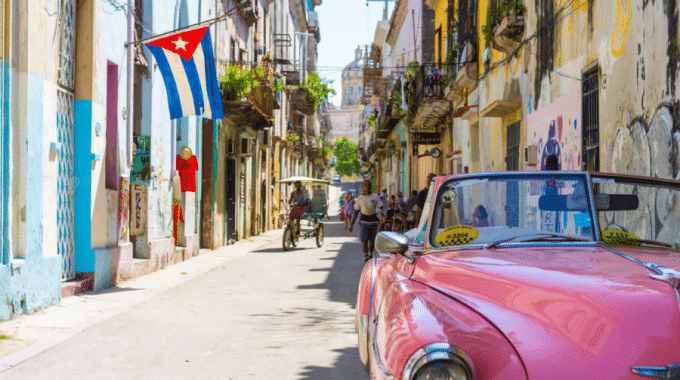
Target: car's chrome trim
x: 671, y: 371
x: 668, y: 275
x: 362, y: 333
x: 593, y: 212
x: 433, y: 352
x: 386, y: 374
x: 513, y: 244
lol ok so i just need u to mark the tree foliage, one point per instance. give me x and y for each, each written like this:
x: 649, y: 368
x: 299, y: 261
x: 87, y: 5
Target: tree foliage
x: 318, y: 88
x: 346, y: 157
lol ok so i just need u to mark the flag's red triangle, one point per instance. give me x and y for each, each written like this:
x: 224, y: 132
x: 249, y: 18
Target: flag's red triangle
x: 182, y: 43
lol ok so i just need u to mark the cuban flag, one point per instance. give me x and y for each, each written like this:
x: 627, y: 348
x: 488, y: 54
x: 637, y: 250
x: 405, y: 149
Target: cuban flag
x: 188, y: 67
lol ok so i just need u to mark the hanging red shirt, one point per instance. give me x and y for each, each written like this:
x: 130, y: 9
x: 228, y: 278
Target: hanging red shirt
x: 187, y: 172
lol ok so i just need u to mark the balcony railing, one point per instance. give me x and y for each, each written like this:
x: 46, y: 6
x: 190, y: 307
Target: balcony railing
x: 430, y: 95
x: 431, y: 82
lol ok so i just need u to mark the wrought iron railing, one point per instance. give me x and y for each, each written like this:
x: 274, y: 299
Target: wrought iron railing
x: 431, y: 82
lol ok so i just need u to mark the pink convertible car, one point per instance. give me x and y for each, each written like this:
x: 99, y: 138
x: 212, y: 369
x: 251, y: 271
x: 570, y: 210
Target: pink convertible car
x: 528, y: 275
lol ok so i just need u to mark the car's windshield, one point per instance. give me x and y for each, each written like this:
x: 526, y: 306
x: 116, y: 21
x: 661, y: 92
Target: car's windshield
x: 632, y: 211
x: 540, y: 207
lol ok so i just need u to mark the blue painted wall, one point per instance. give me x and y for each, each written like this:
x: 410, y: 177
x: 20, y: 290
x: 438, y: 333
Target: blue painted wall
x: 34, y: 282
x: 34, y: 165
x: 4, y: 167
x: 82, y: 148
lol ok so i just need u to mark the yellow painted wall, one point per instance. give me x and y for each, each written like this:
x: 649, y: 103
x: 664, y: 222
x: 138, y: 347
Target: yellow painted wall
x: 440, y: 21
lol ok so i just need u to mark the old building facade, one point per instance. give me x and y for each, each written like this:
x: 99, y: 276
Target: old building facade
x: 101, y: 192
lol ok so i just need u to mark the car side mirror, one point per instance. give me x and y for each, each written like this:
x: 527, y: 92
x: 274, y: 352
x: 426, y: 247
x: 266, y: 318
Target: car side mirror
x: 391, y: 242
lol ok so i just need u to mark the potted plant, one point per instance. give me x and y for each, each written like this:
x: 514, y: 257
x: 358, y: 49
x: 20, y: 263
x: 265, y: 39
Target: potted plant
x: 238, y: 80
x: 505, y: 25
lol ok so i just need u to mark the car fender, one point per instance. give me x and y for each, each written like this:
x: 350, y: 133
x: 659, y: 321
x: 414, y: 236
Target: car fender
x: 412, y: 316
x: 363, y: 307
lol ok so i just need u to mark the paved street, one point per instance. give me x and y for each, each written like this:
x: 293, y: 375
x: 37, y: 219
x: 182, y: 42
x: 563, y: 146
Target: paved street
x: 248, y: 311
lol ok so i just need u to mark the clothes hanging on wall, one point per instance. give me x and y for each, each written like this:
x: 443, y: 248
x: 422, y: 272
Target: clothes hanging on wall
x: 177, y: 217
x: 187, y: 172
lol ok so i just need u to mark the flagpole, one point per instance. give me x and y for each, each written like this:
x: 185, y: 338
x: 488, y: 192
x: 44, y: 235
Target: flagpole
x: 206, y: 22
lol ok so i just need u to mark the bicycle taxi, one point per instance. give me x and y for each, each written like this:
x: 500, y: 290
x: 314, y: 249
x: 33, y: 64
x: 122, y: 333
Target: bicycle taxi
x: 315, y: 209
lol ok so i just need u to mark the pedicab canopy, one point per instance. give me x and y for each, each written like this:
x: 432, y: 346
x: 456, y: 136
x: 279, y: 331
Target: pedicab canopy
x: 306, y: 181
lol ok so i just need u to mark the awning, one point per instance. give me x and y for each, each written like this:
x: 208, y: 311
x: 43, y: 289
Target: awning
x: 306, y: 181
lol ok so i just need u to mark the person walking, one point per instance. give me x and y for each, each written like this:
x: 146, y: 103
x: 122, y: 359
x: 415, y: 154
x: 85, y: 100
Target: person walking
x: 411, y: 210
x: 422, y: 197
x: 348, y: 209
x: 367, y: 205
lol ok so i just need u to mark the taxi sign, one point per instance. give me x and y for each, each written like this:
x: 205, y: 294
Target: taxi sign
x: 620, y: 237
x: 456, y: 235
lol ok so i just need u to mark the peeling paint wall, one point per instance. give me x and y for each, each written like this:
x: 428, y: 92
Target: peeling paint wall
x: 638, y: 82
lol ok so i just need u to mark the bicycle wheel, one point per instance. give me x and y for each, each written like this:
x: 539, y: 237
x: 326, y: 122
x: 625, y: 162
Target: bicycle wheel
x: 295, y: 235
x: 319, y: 236
x: 287, y: 238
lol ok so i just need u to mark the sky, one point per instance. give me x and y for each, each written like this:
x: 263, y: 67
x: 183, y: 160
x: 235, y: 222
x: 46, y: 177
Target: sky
x: 344, y: 25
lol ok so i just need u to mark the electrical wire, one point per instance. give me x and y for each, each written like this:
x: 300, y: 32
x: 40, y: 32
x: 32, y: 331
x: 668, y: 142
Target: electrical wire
x: 535, y: 35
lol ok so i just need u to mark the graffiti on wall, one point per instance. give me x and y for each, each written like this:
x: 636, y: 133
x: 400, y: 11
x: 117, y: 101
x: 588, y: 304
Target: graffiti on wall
x: 648, y: 149
x: 642, y: 148
x: 139, y: 210
x: 555, y: 130
x: 620, y: 32
x: 123, y: 210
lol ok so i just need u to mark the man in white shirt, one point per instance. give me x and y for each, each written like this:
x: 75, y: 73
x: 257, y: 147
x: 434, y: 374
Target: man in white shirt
x: 368, y: 204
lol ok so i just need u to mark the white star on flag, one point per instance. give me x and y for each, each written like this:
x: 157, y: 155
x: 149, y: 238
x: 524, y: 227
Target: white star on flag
x: 187, y: 64
x: 179, y: 44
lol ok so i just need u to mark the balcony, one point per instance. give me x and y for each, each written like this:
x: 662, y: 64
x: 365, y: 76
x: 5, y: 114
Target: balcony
x: 387, y: 121
x: 245, y: 8
x: 256, y: 112
x: 293, y: 77
x: 468, y: 68
x: 431, y: 84
x: 507, y: 35
x: 300, y: 102
x: 264, y: 100
x: 313, y: 24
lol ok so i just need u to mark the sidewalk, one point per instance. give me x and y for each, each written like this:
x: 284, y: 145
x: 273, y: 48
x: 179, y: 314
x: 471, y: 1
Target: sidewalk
x: 30, y: 335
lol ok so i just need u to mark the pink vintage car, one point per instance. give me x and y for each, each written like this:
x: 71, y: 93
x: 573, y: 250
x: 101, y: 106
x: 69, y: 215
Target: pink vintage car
x: 528, y: 275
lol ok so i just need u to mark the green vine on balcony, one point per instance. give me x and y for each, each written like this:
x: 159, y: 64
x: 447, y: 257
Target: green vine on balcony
x: 371, y: 120
x: 318, y: 88
x: 239, y: 79
x: 292, y: 137
x: 494, y: 16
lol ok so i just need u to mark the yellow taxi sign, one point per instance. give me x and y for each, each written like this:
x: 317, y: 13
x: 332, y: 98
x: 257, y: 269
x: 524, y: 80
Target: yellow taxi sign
x: 456, y: 235
x: 620, y: 237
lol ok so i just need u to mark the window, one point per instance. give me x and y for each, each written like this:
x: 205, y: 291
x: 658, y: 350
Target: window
x: 111, y: 164
x: 474, y: 142
x: 351, y: 94
x: 512, y: 146
x: 591, y: 122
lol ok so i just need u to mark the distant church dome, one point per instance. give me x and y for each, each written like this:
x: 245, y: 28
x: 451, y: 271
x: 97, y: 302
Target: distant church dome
x: 356, y: 65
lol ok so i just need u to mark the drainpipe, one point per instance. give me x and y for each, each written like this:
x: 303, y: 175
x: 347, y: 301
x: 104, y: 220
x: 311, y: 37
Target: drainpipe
x: 130, y: 80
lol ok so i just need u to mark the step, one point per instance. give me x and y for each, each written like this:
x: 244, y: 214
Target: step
x: 82, y: 283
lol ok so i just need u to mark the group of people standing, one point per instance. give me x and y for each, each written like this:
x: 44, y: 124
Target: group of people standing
x: 375, y: 212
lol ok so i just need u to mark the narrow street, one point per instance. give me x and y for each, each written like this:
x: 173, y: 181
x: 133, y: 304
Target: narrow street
x: 264, y: 314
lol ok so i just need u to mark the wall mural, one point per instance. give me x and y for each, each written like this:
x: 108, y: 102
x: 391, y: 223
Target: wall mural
x: 123, y: 210
x: 555, y: 130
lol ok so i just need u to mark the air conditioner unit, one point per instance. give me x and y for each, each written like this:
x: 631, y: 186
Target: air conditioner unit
x: 531, y: 155
x: 230, y: 148
x: 245, y: 147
